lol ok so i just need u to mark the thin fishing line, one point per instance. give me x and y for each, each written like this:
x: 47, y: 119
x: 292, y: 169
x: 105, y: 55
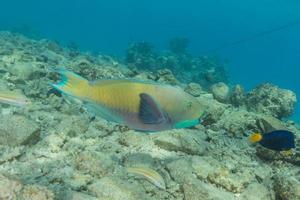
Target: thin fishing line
x: 255, y: 36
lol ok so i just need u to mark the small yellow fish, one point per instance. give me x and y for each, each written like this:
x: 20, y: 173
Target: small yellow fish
x: 146, y: 106
x: 151, y: 175
x: 14, y: 98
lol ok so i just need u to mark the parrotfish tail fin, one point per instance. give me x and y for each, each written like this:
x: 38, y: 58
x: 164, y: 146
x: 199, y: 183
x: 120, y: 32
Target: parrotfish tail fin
x: 255, y: 137
x: 71, y: 84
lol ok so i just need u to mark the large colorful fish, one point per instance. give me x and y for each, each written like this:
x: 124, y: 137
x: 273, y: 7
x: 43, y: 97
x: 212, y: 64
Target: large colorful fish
x: 146, y: 106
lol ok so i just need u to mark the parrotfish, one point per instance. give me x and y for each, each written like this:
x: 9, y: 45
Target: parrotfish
x: 278, y: 140
x: 14, y: 98
x: 141, y: 105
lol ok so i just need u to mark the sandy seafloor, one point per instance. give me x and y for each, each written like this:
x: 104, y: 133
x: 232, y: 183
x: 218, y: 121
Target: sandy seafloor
x: 55, y: 149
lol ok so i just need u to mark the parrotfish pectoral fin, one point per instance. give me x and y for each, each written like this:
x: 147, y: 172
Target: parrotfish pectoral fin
x: 71, y: 84
x: 150, y: 112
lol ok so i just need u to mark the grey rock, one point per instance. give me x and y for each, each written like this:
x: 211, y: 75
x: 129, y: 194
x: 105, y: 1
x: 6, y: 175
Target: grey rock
x: 22, y: 70
x: 237, y: 97
x: 181, y: 170
x: 17, y: 130
x: 195, y: 190
x: 8, y: 153
x: 190, y: 142
x: 232, y: 182
x: 237, y: 122
x: 110, y: 188
x: 73, y: 195
x: 256, y: 191
x: 73, y: 125
x: 220, y: 91
x: 95, y: 163
x: 78, y: 180
x: 193, y: 89
x: 166, y: 76
x: 213, y: 109
x: 269, y: 123
x: 139, y: 159
x: 271, y: 100
x: 203, y: 166
x: 287, y: 185
x: 9, y: 188
x: 36, y: 192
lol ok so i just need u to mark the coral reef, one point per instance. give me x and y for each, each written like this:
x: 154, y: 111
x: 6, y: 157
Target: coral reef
x: 203, y: 70
x: 271, y: 100
x: 60, y: 151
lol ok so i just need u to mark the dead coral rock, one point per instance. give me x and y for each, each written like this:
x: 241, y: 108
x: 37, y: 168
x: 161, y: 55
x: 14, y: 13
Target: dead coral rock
x: 73, y: 125
x: 230, y: 181
x: 94, y: 163
x: 287, y: 185
x: 271, y: 100
x: 237, y: 97
x: 203, y: 166
x: 72, y: 195
x: 17, y: 130
x: 188, y: 141
x: 114, y: 189
x: 237, y: 122
x: 214, y: 109
x: 78, y: 180
x: 139, y: 159
x: 8, y: 153
x: 9, y: 189
x: 256, y: 191
x: 35, y: 192
x: 134, y: 139
x: 181, y: 170
x: 166, y: 76
x: 220, y: 91
x: 269, y: 123
x: 194, y: 89
x: 195, y: 190
x: 22, y: 71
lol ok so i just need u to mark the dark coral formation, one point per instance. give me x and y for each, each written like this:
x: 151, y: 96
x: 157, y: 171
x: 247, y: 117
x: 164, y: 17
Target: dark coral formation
x: 186, y: 68
x: 272, y: 100
x: 141, y: 55
x: 267, y: 99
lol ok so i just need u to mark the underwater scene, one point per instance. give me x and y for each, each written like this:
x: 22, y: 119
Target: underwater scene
x: 149, y: 100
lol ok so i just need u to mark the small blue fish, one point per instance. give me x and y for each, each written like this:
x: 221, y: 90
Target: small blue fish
x: 279, y: 140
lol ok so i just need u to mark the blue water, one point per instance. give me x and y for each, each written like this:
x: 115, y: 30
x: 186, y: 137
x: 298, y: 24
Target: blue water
x: 109, y: 26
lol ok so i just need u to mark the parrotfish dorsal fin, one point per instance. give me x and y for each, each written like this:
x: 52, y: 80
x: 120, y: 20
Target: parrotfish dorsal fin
x: 149, y: 111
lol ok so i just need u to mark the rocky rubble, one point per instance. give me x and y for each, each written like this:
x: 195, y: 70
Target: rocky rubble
x: 58, y: 150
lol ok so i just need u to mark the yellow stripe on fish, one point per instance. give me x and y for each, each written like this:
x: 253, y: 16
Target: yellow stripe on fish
x: 150, y: 175
x: 140, y: 105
